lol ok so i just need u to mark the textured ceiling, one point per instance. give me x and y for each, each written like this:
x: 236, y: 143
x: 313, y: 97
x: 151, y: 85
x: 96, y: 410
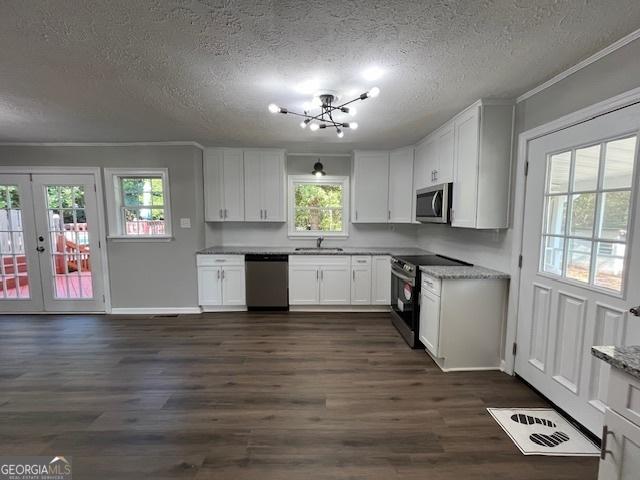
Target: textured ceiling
x: 205, y: 70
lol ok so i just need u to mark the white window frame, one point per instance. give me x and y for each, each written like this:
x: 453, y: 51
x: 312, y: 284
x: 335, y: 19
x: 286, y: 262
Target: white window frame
x: 595, y: 238
x: 114, y: 202
x: 293, y: 180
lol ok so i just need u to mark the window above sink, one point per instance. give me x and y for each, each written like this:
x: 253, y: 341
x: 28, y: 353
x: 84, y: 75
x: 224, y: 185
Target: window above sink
x: 318, y: 207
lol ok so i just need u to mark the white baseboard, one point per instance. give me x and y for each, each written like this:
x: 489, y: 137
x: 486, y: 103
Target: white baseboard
x: 224, y: 308
x: 339, y: 308
x: 155, y: 311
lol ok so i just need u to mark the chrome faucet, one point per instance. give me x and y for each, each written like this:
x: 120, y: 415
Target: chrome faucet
x: 319, y: 242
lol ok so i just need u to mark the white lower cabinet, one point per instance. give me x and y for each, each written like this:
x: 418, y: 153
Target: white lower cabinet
x: 620, y: 458
x: 461, y: 321
x: 303, y: 283
x: 429, y: 328
x: 381, y: 280
x: 335, y: 284
x: 361, y: 280
x: 221, y: 282
x: 319, y: 280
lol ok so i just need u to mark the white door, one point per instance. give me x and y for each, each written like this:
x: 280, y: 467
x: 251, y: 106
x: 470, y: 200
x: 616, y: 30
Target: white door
x: 19, y: 266
x: 272, y: 176
x: 622, y: 460
x: 381, y: 280
x: 68, y: 242
x: 233, y: 289
x: 465, y: 188
x: 400, y: 186
x: 209, y: 286
x: 335, y: 285
x: 360, y: 280
x: 429, y: 329
x: 233, y: 185
x: 581, y: 260
x: 49, y: 235
x: 303, y: 284
x: 371, y: 187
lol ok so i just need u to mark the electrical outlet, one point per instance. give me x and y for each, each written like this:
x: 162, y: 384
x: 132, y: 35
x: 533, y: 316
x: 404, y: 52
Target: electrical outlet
x: 185, y: 223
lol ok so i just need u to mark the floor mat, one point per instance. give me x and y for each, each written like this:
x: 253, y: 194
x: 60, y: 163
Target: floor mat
x: 543, y: 431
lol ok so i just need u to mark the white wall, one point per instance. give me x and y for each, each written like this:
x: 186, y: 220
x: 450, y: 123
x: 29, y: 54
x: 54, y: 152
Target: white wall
x: 276, y: 234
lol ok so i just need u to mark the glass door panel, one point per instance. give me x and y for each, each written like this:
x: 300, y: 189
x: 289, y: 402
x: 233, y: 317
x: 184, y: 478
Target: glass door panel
x: 19, y: 273
x: 66, y: 215
x: 69, y: 244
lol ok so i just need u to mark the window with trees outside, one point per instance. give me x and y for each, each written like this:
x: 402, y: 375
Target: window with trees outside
x: 139, y: 204
x: 318, y: 206
x: 588, y: 197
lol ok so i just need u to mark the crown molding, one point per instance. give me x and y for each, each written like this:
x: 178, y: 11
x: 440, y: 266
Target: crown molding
x: 101, y: 144
x: 583, y: 64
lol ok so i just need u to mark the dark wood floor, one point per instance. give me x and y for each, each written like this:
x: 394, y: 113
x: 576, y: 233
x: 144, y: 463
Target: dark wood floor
x: 253, y: 396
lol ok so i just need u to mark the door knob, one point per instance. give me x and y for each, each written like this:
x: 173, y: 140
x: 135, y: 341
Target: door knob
x: 635, y: 311
x: 40, y: 249
x: 41, y: 238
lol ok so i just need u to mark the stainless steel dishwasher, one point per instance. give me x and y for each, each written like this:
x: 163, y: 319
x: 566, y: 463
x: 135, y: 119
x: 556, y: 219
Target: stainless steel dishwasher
x: 267, y: 282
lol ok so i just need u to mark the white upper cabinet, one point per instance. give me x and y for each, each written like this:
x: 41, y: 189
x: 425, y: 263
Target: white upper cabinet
x: 445, y: 154
x: 264, y: 196
x: 465, y: 188
x: 223, y: 184
x: 424, y: 163
x: 400, y: 186
x: 482, y: 165
x: 370, y: 187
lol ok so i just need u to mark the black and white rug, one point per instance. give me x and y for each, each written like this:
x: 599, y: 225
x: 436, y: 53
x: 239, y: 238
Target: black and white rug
x: 543, y: 431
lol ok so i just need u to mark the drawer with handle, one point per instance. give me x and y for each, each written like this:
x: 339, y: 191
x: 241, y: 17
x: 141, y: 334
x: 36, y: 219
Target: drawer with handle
x: 431, y: 284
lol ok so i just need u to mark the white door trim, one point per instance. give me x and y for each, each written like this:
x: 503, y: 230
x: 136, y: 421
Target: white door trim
x: 97, y: 176
x: 601, y: 108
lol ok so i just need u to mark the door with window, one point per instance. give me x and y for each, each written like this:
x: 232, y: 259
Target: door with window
x: 581, y: 260
x: 49, y: 244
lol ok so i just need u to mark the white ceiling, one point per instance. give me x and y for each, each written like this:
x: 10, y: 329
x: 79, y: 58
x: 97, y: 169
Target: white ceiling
x: 205, y: 70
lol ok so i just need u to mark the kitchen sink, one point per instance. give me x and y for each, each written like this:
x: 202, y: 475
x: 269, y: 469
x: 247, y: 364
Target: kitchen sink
x: 320, y: 249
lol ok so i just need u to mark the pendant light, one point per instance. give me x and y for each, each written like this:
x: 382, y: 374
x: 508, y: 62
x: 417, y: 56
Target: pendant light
x: 318, y: 169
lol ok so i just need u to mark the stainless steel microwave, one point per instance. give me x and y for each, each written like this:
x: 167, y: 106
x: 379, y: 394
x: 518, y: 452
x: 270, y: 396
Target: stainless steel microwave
x: 433, y: 204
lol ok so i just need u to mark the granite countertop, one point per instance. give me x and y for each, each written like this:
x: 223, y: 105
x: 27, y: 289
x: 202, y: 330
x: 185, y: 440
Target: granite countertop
x: 624, y: 358
x: 293, y: 251
x: 462, y: 272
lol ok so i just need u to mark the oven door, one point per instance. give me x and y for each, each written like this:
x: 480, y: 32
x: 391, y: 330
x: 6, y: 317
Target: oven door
x: 404, y: 298
x: 432, y: 204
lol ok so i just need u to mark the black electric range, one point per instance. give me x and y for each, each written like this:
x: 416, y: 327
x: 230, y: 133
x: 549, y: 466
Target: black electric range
x: 405, y: 292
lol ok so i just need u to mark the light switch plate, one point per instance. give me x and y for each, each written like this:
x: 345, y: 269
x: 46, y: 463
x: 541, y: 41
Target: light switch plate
x: 185, y: 223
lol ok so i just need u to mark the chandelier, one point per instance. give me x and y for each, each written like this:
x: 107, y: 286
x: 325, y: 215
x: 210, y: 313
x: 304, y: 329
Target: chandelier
x: 328, y: 105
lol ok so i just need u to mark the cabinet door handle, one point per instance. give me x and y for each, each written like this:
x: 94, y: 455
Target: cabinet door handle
x: 354, y: 275
x: 260, y: 214
x: 603, y: 445
x: 222, y: 274
x: 265, y: 213
x: 218, y: 274
x: 225, y: 213
x: 321, y: 275
x: 221, y: 213
x: 356, y: 214
x: 435, y: 172
x: 317, y: 275
x: 389, y: 215
x: 635, y: 311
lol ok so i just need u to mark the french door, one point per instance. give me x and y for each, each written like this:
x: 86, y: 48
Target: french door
x: 581, y: 260
x: 49, y: 244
